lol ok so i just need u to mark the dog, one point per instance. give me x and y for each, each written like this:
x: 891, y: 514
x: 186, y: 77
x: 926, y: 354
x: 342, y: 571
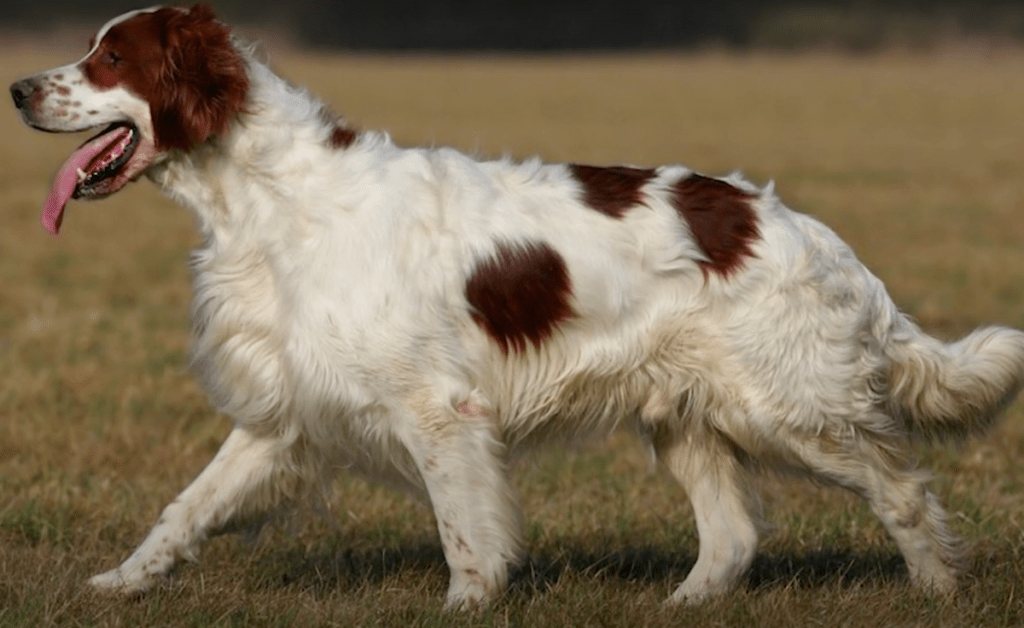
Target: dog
x: 423, y: 317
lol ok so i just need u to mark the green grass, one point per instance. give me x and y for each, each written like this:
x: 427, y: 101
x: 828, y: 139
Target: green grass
x: 915, y: 161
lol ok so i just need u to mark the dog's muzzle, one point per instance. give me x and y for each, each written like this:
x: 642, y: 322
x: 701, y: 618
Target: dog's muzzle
x: 22, y: 92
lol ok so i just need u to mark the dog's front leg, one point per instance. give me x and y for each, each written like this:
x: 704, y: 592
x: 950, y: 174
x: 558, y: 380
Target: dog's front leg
x: 245, y: 479
x: 463, y: 464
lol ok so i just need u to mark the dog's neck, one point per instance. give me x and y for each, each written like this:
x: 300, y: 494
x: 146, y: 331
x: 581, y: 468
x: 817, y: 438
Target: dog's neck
x: 235, y: 183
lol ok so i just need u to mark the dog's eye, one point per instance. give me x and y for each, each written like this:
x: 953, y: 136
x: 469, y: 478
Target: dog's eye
x: 112, y: 58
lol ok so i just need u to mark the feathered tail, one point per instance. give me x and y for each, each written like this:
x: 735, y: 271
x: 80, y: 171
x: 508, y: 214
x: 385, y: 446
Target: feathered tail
x: 951, y: 391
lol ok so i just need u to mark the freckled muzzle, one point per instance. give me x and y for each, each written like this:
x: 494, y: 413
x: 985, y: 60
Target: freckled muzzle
x: 100, y: 166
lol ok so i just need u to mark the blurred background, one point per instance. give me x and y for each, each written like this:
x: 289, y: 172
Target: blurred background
x: 539, y: 25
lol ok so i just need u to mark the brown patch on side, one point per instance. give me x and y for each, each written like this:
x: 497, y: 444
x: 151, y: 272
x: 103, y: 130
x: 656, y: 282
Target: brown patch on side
x: 611, y: 190
x: 720, y: 218
x: 520, y: 294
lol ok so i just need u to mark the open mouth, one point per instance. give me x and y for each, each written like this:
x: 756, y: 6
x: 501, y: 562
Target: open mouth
x: 116, y: 144
x: 97, y: 168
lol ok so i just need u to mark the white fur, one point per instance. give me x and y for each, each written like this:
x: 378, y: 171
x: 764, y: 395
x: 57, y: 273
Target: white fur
x: 331, y: 322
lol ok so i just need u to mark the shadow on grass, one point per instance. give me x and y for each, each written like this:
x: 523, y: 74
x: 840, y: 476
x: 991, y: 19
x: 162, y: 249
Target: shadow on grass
x: 325, y: 572
x: 657, y: 566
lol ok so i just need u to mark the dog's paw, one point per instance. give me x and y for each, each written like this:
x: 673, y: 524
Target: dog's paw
x: 470, y: 594
x: 116, y: 582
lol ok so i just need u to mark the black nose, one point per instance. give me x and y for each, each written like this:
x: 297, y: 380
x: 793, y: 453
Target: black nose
x: 21, y: 92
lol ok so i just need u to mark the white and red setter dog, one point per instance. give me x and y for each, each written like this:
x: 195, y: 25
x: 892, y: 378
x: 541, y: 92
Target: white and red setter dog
x: 422, y: 316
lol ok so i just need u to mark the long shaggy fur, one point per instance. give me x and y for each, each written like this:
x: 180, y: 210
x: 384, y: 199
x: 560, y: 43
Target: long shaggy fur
x: 957, y: 390
x: 420, y: 316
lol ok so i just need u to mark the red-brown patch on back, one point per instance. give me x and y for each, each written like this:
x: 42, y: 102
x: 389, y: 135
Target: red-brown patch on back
x: 720, y: 218
x: 342, y: 137
x: 611, y: 190
x: 520, y: 293
x: 180, y: 61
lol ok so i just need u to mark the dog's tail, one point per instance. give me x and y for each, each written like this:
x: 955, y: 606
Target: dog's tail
x: 951, y: 391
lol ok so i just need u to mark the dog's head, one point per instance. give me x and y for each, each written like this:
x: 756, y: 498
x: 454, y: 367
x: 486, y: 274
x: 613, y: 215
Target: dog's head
x: 154, y: 80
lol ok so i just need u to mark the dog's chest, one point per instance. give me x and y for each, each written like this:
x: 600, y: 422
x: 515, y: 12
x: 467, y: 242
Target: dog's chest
x: 269, y: 341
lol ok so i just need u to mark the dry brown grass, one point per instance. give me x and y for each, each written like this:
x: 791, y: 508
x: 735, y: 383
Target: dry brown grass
x: 915, y: 161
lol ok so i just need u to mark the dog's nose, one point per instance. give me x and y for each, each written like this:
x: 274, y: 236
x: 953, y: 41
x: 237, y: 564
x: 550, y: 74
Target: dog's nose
x: 21, y: 92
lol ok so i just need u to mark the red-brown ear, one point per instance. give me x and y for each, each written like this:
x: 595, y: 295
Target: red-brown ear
x: 203, y: 82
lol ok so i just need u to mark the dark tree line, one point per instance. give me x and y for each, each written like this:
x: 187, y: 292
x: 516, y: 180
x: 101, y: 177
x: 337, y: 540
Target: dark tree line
x: 581, y: 24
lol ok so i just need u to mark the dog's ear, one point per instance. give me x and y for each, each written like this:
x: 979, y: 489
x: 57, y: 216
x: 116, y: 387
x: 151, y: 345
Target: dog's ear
x: 203, y: 81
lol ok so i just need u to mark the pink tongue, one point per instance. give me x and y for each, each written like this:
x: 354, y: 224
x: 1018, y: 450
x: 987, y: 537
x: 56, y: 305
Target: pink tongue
x: 67, y: 179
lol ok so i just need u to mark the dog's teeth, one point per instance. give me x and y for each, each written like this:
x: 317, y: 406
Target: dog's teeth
x: 82, y: 175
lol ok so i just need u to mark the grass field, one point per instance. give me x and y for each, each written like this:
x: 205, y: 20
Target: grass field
x: 917, y: 162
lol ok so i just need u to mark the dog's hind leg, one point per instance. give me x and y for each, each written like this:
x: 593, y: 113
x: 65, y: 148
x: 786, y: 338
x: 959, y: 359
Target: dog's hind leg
x: 913, y: 517
x: 246, y: 478
x: 898, y: 495
x: 725, y: 507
